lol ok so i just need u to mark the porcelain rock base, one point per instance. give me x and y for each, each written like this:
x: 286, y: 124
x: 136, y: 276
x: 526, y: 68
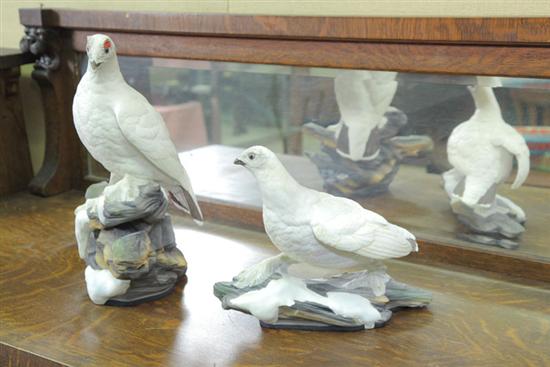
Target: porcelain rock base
x: 125, y: 236
x: 498, y: 222
x: 340, y: 303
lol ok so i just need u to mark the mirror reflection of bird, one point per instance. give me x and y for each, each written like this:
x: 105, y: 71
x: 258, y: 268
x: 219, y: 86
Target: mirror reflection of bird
x: 482, y: 149
x: 363, y: 98
x: 318, y: 228
x: 123, y: 132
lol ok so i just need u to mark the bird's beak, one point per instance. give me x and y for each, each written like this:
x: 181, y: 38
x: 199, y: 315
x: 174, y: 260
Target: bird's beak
x: 239, y: 162
x: 95, y: 65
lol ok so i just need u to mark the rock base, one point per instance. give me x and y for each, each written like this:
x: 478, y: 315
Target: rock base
x: 124, y: 229
x: 341, y: 303
x: 496, y: 222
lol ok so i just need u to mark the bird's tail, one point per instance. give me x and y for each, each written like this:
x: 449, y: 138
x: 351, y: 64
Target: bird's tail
x: 185, y: 201
x: 523, y: 168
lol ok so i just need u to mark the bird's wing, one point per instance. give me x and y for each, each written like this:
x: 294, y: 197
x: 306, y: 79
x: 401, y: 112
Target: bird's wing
x: 346, y: 226
x: 145, y: 129
x: 513, y: 142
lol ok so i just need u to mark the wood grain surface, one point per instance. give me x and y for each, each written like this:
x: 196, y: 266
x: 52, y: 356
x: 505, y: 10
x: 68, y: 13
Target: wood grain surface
x: 47, y: 319
x: 482, y: 46
x: 413, y: 29
x: 525, y: 61
x: 416, y: 201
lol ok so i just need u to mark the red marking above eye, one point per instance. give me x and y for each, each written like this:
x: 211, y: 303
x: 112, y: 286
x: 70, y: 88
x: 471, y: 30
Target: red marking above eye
x: 107, y: 44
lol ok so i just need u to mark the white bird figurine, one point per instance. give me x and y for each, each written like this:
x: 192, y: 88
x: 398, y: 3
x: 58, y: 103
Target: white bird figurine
x: 317, y: 228
x: 122, y: 131
x: 363, y: 98
x: 482, y: 149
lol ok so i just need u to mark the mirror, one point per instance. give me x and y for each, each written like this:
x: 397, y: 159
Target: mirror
x: 436, y: 154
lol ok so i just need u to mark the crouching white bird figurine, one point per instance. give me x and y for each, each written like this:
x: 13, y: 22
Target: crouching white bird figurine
x: 122, y: 131
x: 318, y: 228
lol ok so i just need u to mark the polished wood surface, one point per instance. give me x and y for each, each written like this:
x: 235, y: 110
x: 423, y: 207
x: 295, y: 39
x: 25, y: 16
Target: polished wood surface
x: 47, y: 320
x: 482, y: 46
x: 426, y: 58
x: 416, y: 201
x: 414, y: 29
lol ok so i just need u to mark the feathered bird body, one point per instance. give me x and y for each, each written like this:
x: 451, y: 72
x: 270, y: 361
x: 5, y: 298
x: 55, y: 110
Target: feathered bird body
x: 293, y: 235
x: 472, y: 152
x: 483, y: 148
x: 122, y: 131
x: 98, y: 128
x: 320, y: 229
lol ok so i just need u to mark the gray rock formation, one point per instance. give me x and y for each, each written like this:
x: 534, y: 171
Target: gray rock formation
x: 494, y: 221
x: 125, y: 229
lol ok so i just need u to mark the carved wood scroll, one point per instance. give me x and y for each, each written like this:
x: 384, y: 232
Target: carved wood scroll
x: 56, y: 72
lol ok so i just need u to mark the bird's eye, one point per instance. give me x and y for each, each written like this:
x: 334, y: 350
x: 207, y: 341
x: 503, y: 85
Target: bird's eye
x: 106, y: 50
x: 251, y: 156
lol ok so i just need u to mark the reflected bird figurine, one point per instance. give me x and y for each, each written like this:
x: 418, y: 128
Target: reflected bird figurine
x: 122, y: 131
x: 363, y: 99
x: 318, y: 228
x: 481, y: 151
x: 361, y: 154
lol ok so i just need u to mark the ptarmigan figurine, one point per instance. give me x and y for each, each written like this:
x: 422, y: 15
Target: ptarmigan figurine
x: 318, y: 228
x: 363, y: 98
x: 483, y: 148
x: 481, y: 151
x: 122, y: 131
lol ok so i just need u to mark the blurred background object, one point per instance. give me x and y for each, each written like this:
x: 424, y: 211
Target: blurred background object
x: 15, y: 161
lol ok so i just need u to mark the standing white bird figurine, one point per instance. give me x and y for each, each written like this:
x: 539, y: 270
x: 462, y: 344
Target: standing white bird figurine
x: 122, y: 131
x: 482, y: 150
x: 318, y: 228
x: 363, y: 98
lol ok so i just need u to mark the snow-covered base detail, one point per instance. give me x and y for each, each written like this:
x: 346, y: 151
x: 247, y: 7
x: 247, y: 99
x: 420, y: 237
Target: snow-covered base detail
x: 264, y: 303
x: 343, y: 302
x: 82, y: 230
x: 102, y: 285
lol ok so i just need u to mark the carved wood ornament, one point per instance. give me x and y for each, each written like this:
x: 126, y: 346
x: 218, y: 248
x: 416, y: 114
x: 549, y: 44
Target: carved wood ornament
x: 56, y: 71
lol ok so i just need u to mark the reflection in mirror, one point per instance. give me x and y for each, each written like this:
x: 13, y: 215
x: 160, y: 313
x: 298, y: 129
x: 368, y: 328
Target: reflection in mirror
x: 436, y: 154
x: 361, y: 153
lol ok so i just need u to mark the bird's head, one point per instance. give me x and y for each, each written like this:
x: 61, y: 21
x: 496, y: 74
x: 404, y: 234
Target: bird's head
x: 100, y: 50
x: 256, y: 158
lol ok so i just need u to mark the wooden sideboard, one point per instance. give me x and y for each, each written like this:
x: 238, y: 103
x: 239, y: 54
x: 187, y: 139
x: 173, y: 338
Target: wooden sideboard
x: 490, y: 306
x: 47, y: 320
x: 516, y: 47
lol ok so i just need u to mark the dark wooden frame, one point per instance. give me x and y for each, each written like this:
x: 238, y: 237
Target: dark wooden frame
x: 518, y: 47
